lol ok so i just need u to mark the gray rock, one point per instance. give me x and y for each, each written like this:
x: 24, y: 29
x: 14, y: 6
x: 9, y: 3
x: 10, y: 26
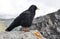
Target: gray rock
x: 18, y: 35
x: 49, y: 26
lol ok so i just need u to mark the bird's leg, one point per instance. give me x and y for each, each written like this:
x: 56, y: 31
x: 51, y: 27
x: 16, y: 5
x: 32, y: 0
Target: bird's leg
x: 25, y: 29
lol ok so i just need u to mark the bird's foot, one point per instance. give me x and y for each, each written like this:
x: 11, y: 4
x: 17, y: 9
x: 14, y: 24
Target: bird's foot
x: 25, y: 29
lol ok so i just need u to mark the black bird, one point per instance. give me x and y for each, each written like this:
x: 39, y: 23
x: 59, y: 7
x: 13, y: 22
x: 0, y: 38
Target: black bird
x: 24, y: 19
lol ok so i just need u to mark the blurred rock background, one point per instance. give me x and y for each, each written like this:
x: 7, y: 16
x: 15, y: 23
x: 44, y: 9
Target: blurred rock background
x: 48, y: 25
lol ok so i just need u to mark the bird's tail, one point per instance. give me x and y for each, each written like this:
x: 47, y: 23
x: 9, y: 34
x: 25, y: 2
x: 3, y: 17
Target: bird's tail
x: 11, y: 27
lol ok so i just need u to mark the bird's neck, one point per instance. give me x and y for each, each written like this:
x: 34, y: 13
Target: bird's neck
x: 32, y: 10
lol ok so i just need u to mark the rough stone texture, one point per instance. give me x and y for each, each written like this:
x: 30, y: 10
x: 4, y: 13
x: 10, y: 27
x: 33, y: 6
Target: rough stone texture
x: 49, y: 25
x: 18, y: 35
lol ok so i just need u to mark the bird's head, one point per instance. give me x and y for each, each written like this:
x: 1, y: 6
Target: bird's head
x: 33, y: 7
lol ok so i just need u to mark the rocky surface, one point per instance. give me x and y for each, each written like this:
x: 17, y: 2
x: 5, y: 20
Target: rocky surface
x: 48, y: 25
x: 19, y: 35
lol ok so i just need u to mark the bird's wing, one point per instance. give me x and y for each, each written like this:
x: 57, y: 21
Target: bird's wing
x: 23, y: 16
x: 26, y: 17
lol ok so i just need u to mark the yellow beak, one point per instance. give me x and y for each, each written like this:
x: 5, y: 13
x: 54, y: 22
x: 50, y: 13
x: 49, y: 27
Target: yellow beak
x: 38, y: 9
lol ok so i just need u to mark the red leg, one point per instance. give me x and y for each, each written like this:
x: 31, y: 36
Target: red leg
x: 25, y: 29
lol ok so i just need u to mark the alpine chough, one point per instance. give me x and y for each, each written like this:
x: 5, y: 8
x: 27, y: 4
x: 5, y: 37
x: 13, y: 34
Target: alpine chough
x: 24, y: 19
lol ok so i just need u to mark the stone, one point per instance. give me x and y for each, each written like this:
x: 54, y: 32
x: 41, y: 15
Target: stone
x: 20, y: 35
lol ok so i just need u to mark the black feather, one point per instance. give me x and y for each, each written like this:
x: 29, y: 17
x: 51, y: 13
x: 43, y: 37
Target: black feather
x: 24, y: 19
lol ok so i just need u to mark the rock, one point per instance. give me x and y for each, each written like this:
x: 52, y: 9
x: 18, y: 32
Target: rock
x: 2, y: 26
x: 19, y: 35
x: 49, y: 25
x: 58, y: 29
